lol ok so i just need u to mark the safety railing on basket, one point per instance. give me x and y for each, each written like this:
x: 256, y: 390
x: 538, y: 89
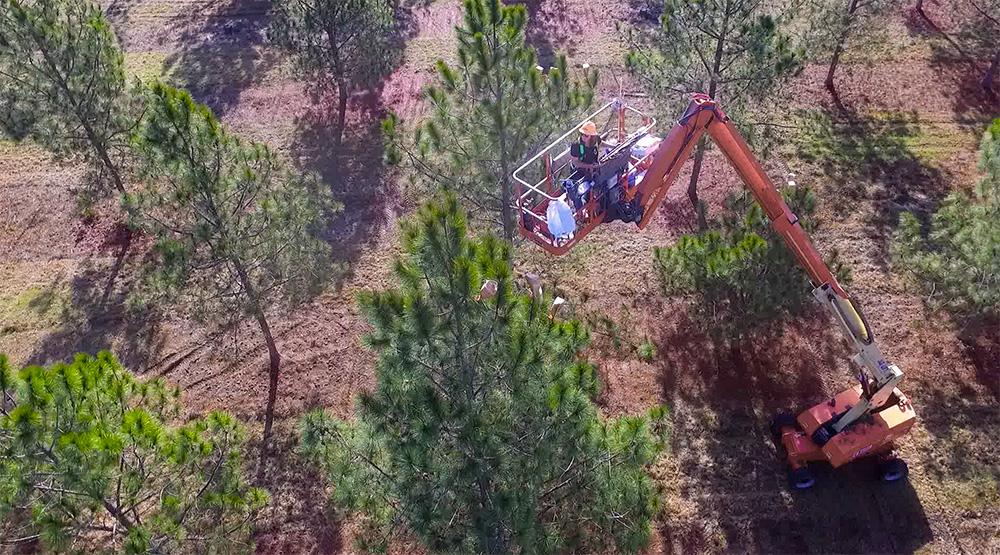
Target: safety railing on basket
x: 534, y: 195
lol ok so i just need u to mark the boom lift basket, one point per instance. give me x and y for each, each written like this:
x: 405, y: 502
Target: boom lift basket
x: 547, y: 176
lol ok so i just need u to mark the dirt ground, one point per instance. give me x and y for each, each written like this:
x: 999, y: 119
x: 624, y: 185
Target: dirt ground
x: 724, y: 488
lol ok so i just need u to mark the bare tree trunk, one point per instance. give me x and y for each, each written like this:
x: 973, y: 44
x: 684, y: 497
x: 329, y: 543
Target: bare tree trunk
x: 969, y: 60
x: 506, y: 194
x: 97, y: 144
x: 830, y: 85
x: 273, y: 367
x: 342, y: 94
x: 834, y: 62
x: 506, y: 213
x: 852, y: 8
x: 699, y: 155
x: 272, y: 393
x: 102, y: 153
x: 119, y: 183
x: 991, y: 73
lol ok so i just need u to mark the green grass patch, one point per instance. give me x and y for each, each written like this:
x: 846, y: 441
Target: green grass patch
x: 975, y: 494
x: 157, y: 9
x: 146, y: 66
x: 936, y: 144
x: 423, y: 52
x: 569, y: 269
x: 646, y: 351
x: 852, y: 145
x: 21, y: 150
x: 34, y: 309
x: 605, y: 51
x: 883, y: 45
x: 872, y: 143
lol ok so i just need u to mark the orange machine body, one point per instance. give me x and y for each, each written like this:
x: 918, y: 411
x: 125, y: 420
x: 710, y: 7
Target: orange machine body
x: 870, y: 436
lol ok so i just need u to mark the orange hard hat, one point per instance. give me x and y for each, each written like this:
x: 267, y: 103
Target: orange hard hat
x: 589, y: 128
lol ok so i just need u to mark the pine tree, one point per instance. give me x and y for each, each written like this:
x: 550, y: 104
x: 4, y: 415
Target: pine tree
x: 481, y: 434
x: 490, y: 111
x: 88, y: 453
x: 347, y: 41
x: 742, y: 275
x: 237, y: 232
x: 62, y: 84
x: 736, y: 51
x: 957, y: 260
x: 838, y: 25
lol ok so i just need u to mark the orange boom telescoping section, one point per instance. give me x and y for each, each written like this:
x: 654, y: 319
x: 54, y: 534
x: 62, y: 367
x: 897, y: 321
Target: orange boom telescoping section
x: 560, y: 205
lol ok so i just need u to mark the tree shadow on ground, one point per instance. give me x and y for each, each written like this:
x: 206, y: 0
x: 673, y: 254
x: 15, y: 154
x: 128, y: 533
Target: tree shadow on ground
x: 958, y: 62
x: 971, y: 103
x: 99, y: 315
x: 961, y: 455
x: 406, y: 21
x: 778, y: 367
x: 90, y: 324
x: 118, y: 11
x: 220, y: 52
x: 296, y: 519
x: 722, y: 399
x: 551, y: 29
x: 647, y: 12
x: 982, y: 343
x: 356, y: 175
x: 873, y: 158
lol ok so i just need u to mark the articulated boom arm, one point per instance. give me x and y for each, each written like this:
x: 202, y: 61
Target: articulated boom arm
x: 879, y: 377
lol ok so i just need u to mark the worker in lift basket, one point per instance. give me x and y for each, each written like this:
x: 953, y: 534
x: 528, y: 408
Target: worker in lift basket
x: 587, y: 150
x: 586, y: 153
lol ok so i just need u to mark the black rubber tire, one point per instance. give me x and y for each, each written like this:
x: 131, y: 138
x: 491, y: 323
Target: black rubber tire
x: 801, y: 478
x: 781, y: 420
x: 893, y: 470
x: 822, y: 435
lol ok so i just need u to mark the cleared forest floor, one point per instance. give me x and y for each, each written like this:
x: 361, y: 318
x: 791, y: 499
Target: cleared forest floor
x: 912, y: 138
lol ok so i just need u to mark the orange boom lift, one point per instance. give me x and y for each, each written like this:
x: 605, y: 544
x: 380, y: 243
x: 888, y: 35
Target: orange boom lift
x: 862, y: 421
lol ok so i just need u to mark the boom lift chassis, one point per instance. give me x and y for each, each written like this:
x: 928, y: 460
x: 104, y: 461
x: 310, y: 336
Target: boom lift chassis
x: 862, y: 421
